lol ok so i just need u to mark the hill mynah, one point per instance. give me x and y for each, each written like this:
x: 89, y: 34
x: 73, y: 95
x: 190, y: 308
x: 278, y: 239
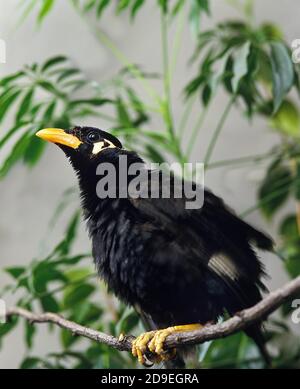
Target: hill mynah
x: 179, y: 268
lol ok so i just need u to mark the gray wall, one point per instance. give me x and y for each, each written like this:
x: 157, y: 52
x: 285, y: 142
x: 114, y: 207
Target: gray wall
x: 29, y: 197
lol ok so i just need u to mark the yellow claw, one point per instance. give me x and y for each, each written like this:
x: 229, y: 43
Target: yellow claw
x: 154, y: 342
x: 139, y: 346
x: 156, y: 345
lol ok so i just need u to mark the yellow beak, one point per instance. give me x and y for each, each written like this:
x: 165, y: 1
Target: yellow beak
x: 57, y: 135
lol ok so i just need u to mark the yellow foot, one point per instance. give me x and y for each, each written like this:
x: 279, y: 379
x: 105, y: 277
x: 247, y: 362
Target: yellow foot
x: 153, y: 341
x: 139, y: 346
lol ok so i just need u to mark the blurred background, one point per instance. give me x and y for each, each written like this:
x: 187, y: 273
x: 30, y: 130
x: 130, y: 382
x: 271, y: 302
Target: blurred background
x: 29, y: 197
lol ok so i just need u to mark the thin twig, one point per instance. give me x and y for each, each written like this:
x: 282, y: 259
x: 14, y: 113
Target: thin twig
x: 195, y: 132
x: 75, y: 328
x: 217, y: 131
x: 185, y: 116
x: 167, y: 104
x: 238, y: 322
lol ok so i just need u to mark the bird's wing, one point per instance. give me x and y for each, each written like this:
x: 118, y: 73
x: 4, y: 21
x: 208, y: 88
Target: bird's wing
x: 213, y: 235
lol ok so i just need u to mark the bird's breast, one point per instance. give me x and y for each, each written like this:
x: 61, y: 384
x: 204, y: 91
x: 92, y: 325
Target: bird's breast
x: 118, y: 251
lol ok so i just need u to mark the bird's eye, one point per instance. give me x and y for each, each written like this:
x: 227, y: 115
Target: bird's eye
x: 93, y: 137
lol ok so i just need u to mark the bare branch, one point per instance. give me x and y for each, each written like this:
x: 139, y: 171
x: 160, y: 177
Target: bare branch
x: 238, y: 322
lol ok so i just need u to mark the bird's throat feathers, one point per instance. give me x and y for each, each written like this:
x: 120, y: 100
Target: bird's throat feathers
x: 108, y: 171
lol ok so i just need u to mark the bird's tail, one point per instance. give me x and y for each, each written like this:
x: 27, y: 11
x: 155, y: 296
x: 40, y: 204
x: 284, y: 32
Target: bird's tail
x: 256, y: 333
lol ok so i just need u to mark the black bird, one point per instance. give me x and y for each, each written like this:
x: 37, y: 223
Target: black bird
x: 180, y: 268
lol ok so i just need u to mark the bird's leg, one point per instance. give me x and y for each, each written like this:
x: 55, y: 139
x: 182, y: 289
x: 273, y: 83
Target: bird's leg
x: 154, y: 342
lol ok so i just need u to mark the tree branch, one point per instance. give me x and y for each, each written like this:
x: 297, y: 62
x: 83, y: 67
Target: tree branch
x: 238, y: 322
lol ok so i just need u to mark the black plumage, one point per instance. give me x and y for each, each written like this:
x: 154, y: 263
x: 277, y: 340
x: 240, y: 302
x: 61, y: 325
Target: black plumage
x: 174, y: 265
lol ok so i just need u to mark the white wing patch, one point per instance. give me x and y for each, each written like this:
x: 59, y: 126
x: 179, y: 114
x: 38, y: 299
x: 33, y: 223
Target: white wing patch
x: 104, y: 144
x: 224, y: 266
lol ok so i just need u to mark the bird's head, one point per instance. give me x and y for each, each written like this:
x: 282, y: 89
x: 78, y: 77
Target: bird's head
x: 87, y: 148
x: 81, y: 142
x: 84, y: 146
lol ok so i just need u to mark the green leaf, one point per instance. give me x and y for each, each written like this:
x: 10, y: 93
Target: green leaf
x: 275, y: 189
x: 194, y: 85
x: 229, y: 352
x: 75, y: 84
x: 136, y: 7
x: 46, y: 7
x: 68, y: 339
x: 101, y: 7
x: 217, y: 75
x: 129, y: 322
x: 164, y: 5
x: 34, y: 151
x: 49, y: 304
x: 74, y: 295
x: 206, y: 95
x: 23, y: 282
x: 282, y: 72
x: 288, y: 229
x: 67, y: 73
x: 78, y: 274
x: 5, y: 81
x: 6, y: 101
x: 272, y: 32
x: 30, y: 331
x: 96, y: 102
x: 87, y: 313
x: 177, y: 7
x: 53, y: 62
x: 30, y: 4
x: 154, y: 154
x: 43, y: 274
x: 194, y: 18
x: 49, y: 112
x: 7, y: 327
x: 287, y: 119
x: 32, y: 363
x: 34, y: 110
x: 10, y: 133
x: 122, y: 5
x: 196, y: 10
x: 15, y: 272
x: 71, y: 260
x: 88, y: 5
x: 16, y: 154
x: 240, y: 66
x: 292, y: 265
x: 136, y: 103
x: 25, y: 105
x: 123, y: 114
x: 50, y: 88
x: 64, y: 247
x: 204, y: 5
